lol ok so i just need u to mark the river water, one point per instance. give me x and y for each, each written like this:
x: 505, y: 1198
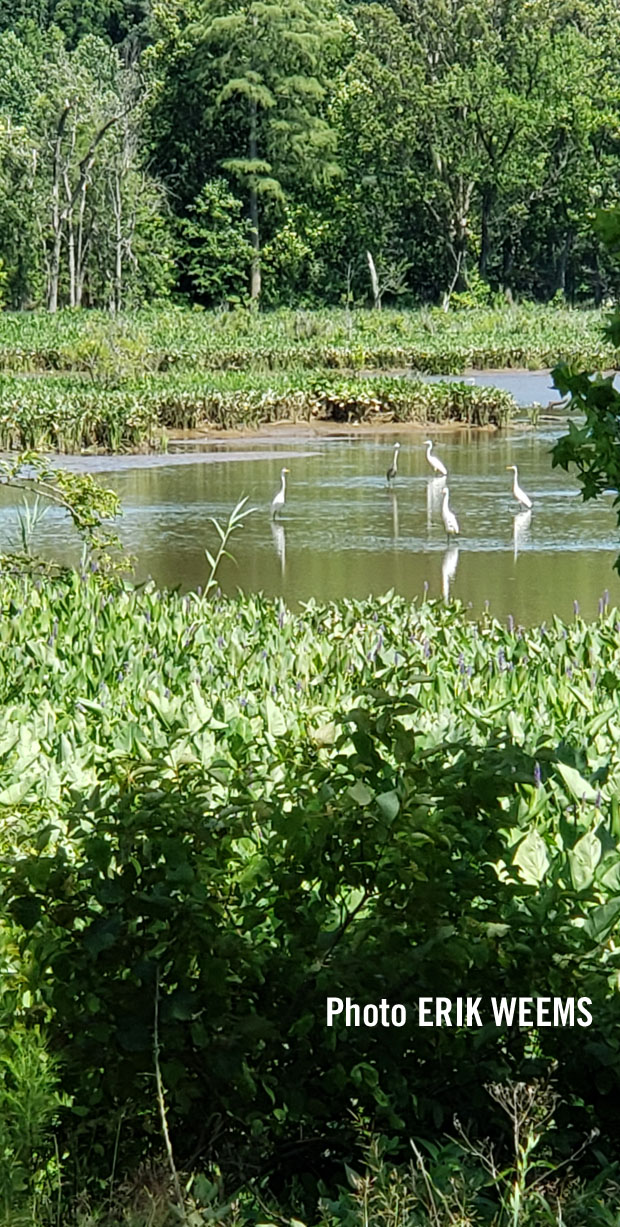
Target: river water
x: 345, y: 533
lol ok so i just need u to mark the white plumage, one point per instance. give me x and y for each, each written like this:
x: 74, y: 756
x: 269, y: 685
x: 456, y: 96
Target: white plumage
x: 450, y: 521
x: 279, y: 499
x: 393, y: 469
x: 433, y: 461
x: 519, y: 494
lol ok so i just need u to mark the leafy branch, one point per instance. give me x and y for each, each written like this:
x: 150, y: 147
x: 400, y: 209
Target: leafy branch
x: 235, y: 521
x: 88, y: 505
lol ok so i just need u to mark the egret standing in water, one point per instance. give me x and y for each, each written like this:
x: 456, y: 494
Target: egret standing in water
x: 393, y: 469
x: 450, y: 521
x: 279, y: 499
x: 519, y: 494
x: 433, y: 461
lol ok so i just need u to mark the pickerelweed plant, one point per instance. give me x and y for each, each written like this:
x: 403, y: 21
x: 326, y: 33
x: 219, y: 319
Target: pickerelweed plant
x: 425, y: 339
x: 238, y: 810
x: 69, y: 414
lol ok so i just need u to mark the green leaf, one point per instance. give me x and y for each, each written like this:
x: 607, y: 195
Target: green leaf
x: 360, y: 793
x: 389, y: 804
x: 532, y: 859
x: 276, y: 721
x: 601, y: 920
x: 583, y: 860
x: 578, y: 788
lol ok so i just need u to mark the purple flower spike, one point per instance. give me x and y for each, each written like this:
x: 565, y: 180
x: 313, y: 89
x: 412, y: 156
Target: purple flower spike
x: 537, y: 776
x: 576, y: 608
x: 511, y: 624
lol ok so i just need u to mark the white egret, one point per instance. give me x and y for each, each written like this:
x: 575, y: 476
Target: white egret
x: 393, y: 469
x: 519, y: 494
x: 450, y: 521
x: 433, y: 461
x: 279, y: 499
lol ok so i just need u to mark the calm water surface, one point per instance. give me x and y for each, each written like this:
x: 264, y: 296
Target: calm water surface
x: 343, y: 533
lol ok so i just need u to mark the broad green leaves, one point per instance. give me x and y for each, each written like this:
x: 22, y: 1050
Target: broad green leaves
x: 532, y: 858
x: 281, y: 818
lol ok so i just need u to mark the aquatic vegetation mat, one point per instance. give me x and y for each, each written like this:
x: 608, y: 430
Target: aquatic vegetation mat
x: 70, y: 414
x: 427, y: 339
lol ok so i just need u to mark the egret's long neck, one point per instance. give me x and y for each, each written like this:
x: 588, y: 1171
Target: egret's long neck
x: 514, y: 481
x: 283, y: 486
x: 395, y: 460
x: 428, y: 449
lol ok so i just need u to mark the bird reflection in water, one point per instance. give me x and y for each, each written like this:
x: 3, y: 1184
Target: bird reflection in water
x: 434, y: 490
x: 520, y: 527
x: 394, y: 502
x: 279, y: 540
x: 449, y: 564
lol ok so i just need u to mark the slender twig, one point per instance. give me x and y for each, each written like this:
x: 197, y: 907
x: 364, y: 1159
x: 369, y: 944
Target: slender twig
x: 115, y: 1158
x: 162, y: 1105
x: 59, y: 1202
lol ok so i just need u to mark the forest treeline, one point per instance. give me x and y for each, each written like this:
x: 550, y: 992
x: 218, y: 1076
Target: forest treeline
x: 303, y: 151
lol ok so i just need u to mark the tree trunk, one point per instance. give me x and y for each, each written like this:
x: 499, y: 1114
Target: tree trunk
x: 117, y: 209
x: 485, y: 232
x: 70, y: 242
x: 376, y: 292
x: 57, y: 215
x: 255, y: 277
x: 54, y: 274
x: 508, y: 258
x: 562, y: 264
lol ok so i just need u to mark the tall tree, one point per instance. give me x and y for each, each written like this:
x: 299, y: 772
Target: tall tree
x: 267, y: 62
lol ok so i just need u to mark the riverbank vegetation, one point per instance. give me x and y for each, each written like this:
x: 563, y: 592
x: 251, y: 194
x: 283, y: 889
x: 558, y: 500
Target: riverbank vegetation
x: 426, y: 340
x: 220, y: 812
x: 82, y: 381
x: 70, y: 414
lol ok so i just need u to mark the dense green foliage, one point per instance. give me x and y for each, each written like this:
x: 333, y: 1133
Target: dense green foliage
x: 426, y: 340
x: 305, y: 151
x: 115, y: 384
x: 70, y: 414
x: 591, y: 443
x: 243, y: 810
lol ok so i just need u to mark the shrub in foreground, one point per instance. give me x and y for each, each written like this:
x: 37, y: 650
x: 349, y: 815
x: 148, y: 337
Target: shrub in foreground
x: 235, y: 811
